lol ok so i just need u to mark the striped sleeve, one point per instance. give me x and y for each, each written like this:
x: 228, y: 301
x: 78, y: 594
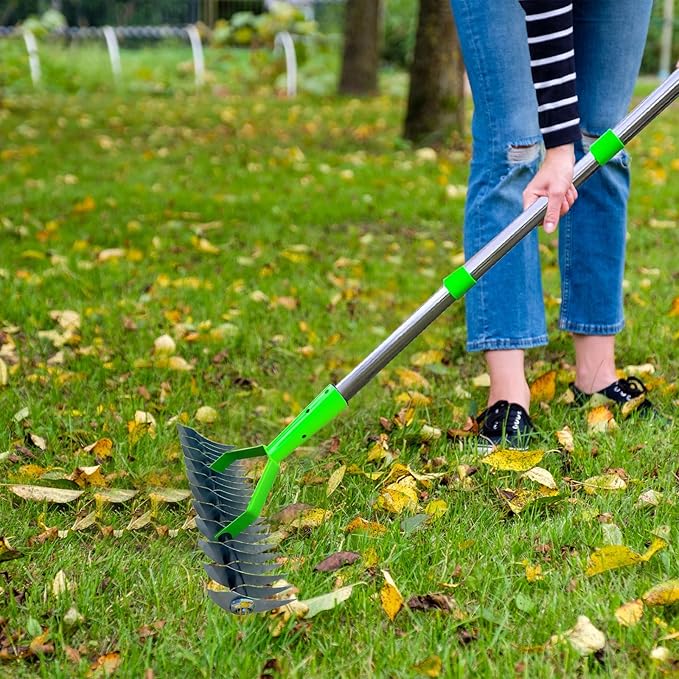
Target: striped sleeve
x: 549, y: 24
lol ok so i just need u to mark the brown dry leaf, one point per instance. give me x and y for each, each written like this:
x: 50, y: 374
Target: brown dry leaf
x: 39, y: 645
x: 105, y: 665
x: 289, y: 513
x: 336, y: 561
x: 630, y: 613
x: 543, y: 389
x: 397, y: 497
x: 664, y: 594
x: 404, y: 417
x: 565, y: 438
x: 88, y: 476
x: 360, y: 525
x: 335, y: 479
x: 426, y: 358
x: 311, y: 518
x: 101, y: 448
x: 437, y: 602
x: 513, y: 460
x: 7, y: 552
x: 429, y: 667
x: 46, y: 494
x: 600, y: 419
x: 604, y: 482
x: 148, y: 631
x: 391, y: 598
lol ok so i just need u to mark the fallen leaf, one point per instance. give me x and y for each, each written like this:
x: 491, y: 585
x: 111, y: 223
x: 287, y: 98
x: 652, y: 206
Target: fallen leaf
x: 540, y: 476
x: 513, y: 460
x: 101, y: 448
x: 482, y: 380
x: 391, y: 598
x: 543, y: 389
x: 664, y: 594
x: 311, y: 518
x: 372, y: 528
x: 61, y: 585
x: 46, y: 494
x: 518, y: 500
x: 325, y: 602
x: 169, y: 495
x: 140, y: 521
x: 4, y: 373
x: 436, y: 602
x: 436, y: 508
x: 429, y: 667
x: 84, y: 522
x: 206, y: 415
x: 88, y: 476
x: 584, y: 637
x: 38, y: 441
x: 114, y: 495
x: 600, y: 419
x: 335, y: 479
x: 337, y: 561
x: 630, y: 613
x: 105, y: 665
x: 632, y: 405
x: 397, y: 497
x: 426, y: 358
x: 648, y: 498
x: 148, y: 631
x: 656, y: 545
x: 7, y: 552
x: 608, y: 557
x: 411, y: 379
x: 604, y: 482
x: 289, y: 513
x: 565, y: 438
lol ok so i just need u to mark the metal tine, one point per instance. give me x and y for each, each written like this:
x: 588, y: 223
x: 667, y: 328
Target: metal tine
x: 236, y: 603
x: 258, y: 546
x: 223, y: 556
x: 236, y: 498
x: 256, y: 592
x: 191, y: 438
x: 207, y: 528
x: 254, y: 533
x: 238, y: 478
x: 226, y: 574
x: 204, y: 481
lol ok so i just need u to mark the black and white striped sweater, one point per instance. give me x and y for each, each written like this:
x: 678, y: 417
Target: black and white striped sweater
x: 552, y: 60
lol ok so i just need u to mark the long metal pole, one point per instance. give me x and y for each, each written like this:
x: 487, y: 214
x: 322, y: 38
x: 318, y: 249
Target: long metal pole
x: 499, y: 246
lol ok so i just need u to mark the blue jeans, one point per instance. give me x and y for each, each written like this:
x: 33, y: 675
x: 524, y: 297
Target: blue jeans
x: 505, y: 309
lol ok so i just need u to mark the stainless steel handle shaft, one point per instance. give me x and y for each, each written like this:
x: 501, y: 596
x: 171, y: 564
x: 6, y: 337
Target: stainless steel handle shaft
x: 499, y: 246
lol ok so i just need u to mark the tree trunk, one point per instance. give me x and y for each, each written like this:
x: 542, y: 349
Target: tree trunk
x: 436, y: 97
x: 361, y: 48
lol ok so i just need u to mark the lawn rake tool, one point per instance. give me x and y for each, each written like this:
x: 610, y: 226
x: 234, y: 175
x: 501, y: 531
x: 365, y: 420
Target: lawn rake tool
x: 228, y: 506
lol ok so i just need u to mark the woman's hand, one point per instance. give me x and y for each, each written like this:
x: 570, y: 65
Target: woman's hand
x: 554, y: 180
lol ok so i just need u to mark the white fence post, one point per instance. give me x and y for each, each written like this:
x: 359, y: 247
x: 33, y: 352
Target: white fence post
x: 33, y: 57
x: 197, y: 50
x: 284, y: 39
x: 113, y: 52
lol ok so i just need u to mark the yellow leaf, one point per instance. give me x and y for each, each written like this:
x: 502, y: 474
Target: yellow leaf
x: 178, y: 363
x: 513, y: 460
x: 611, y: 556
x: 664, y: 594
x: 206, y: 415
x: 544, y: 387
x: 7, y: 552
x: 436, y: 508
x: 565, y: 438
x: 604, y: 482
x: 164, y: 345
x: 414, y: 398
x: 101, y: 448
x: 105, y: 665
x: 85, y: 205
x: 143, y: 423
x: 391, y: 598
x: 372, y: 528
x: 335, y: 479
x: 429, y: 667
x: 633, y: 404
x: 397, y: 497
x: 88, y: 476
x: 518, y: 500
x: 410, y: 378
x: 4, y: 374
x: 426, y: 358
x: 630, y: 613
x: 311, y: 518
x: 656, y: 545
x: 674, y: 309
x: 370, y: 558
x: 541, y: 476
x: 600, y: 419
x: 482, y: 380
x: 204, y: 245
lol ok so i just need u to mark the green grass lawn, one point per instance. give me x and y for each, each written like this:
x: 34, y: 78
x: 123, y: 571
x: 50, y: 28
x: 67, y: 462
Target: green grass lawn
x: 277, y: 242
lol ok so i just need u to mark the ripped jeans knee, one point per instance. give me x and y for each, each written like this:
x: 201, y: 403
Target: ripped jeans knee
x: 523, y: 154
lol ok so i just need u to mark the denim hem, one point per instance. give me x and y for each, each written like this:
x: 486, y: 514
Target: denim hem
x: 507, y: 343
x: 591, y: 328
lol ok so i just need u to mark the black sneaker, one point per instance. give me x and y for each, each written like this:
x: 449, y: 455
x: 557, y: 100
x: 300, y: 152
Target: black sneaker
x: 622, y: 391
x: 506, y: 424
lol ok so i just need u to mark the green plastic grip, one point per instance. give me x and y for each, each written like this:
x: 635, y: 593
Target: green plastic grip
x: 459, y: 282
x: 324, y: 408
x: 606, y: 146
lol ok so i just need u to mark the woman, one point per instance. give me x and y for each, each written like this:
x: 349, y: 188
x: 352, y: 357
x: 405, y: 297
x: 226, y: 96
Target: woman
x: 557, y: 74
